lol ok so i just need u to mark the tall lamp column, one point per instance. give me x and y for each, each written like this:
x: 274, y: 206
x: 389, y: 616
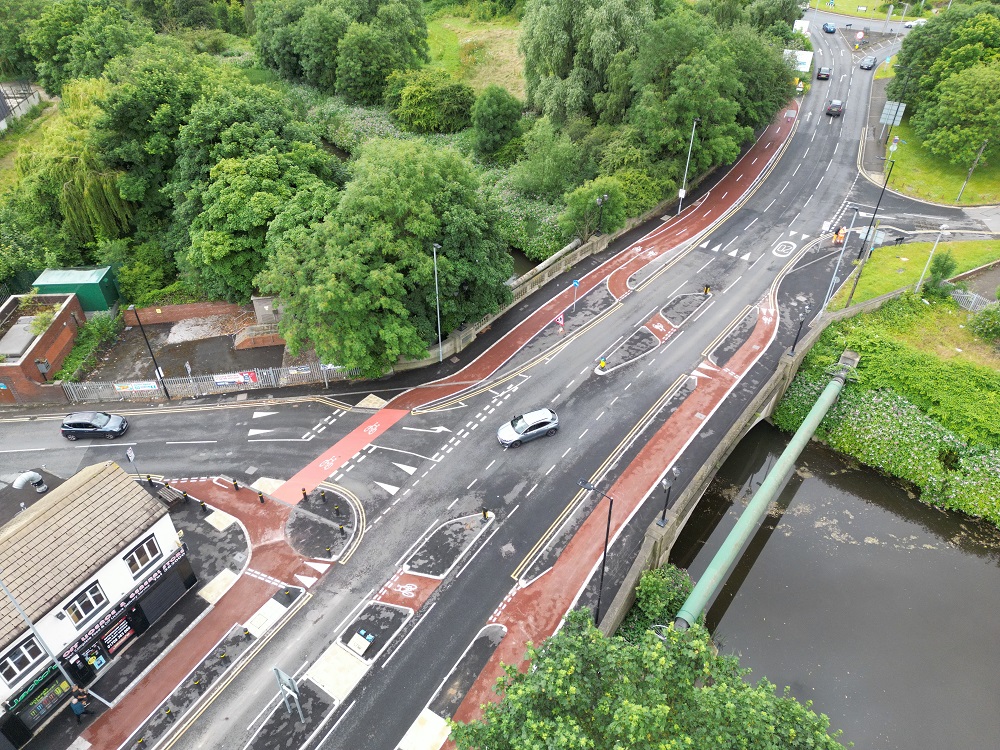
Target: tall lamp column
x: 159, y: 372
x: 607, y: 535
x: 437, y: 297
x: 683, y: 191
x: 667, y: 484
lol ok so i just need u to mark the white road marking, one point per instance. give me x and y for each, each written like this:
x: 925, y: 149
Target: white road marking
x: 190, y: 442
x: 796, y: 168
x: 613, y: 401
x: 783, y: 189
x: 596, y: 420
x: 705, y: 266
x: 749, y: 225
x: 470, y: 486
x: 531, y: 490
x: 550, y: 469
x: 770, y: 204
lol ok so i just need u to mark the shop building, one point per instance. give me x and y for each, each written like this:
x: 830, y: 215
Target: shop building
x: 93, y: 564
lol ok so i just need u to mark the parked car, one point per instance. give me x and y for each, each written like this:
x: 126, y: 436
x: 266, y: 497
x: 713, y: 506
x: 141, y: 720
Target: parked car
x: 915, y: 22
x: 823, y: 73
x: 829, y: 28
x: 869, y: 62
x: 528, y: 426
x: 93, y: 424
x: 835, y: 108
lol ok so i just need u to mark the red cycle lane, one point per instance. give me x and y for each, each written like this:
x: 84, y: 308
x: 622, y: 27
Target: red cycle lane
x: 617, y: 270
x: 534, y: 612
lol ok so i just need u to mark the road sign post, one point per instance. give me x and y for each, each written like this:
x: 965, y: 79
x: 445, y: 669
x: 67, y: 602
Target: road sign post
x: 289, y: 689
x: 576, y: 285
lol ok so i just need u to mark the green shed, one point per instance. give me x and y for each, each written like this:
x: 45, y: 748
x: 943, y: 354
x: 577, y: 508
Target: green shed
x: 94, y: 286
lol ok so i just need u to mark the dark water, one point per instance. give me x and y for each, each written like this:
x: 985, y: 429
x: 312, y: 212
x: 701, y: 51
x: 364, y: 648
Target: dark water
x: 521, y: 263
x: 882, y: 611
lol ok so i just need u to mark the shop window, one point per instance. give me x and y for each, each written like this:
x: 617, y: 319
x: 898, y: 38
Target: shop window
x: 142, y: 555
x: 85, y: 604
x: 19, y: 660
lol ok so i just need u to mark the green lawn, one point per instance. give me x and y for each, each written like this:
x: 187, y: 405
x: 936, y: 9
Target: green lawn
x: 478, y: 52
x: 919, y: 173
x: 870, y: 14
x: 892, y: 267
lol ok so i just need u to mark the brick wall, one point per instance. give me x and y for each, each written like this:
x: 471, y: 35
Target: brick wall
x: 176, y: 313
x: 24, y: 382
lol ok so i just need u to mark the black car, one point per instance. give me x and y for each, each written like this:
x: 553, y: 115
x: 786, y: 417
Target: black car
x: 835, y: 108
x: 829, y: 28
x: 869, y: 62
x: 93, y: 424
x: 823, y: 73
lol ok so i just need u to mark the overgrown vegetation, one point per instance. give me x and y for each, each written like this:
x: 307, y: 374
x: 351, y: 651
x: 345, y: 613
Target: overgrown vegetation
x: 101, y: 330
x: 658, y: 598
x: 928, y: 420
x: 194, y: 162
x: 669, y: 690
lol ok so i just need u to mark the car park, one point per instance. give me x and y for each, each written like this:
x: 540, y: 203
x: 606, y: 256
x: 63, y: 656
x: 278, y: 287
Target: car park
x: 823, y: 73
x: 528, y: 426
x: 869, y: 62
x: 829, y: 28
x: 835, y: 108
x: 93, y: 424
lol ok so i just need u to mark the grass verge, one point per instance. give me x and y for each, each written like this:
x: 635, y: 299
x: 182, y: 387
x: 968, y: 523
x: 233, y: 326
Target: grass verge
x: 26, y: 132
x: 893, y: 267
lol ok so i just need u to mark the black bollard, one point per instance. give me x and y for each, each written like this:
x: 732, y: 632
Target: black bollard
x: 260, y: 496
x: 322, y: 496
x: 204, y: 508
x: 342, y: 532
x: 336, y: 510
x: 149, y: 481
x: 305, y: 495
x: 236, y: 485
x: 486, y: 514
x: 184, y: 496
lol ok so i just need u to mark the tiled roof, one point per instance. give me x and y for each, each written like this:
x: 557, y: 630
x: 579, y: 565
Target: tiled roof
x: 54, y: 546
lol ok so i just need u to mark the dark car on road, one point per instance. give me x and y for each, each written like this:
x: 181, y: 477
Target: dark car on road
x: 93, y: 424
x: 835, y: 108
x: 823, y: 73
x: 528, y: 426
x: 829, y: 28
x: 869, y: 62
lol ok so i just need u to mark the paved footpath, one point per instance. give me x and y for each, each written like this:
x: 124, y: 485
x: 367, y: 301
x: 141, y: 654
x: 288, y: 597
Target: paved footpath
x: 272, y: 564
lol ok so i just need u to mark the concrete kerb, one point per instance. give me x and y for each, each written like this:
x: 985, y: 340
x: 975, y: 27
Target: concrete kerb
x: 196, y: 709
x: 658, y: 541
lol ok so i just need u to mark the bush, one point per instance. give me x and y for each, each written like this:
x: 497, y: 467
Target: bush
x: 42, y: 320
x: 429, y: 101
x: 658, y: 598
x: 99, y: 330
x: 943, y: 265
x: 986, y: 324
x: 178, y: 293
x: 496, y: 118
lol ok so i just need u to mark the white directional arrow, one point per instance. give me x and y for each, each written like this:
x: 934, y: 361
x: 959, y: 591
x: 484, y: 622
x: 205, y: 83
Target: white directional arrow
x: 258, y: 432
x: 432, y: 429
x: 716, y: 248
x: 808, y: 116
x: 732, y: 253
x: 703, y: 245
x: 792, y: 234
x: 388, y: 488
x: 745, y: 257
x: 263, y: 414
x: 805, y: 236
x: 404, y: 467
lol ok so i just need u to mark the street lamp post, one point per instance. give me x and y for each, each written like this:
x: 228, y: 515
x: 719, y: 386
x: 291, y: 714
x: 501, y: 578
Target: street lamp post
x: 927, y: 265
x: 159, y: 372
x: 840, y: 259
x: 683, y: 191
x: 601, y: 200
x: 667, y: 484
x: 802, y: 320
x: 870, y: 235
x: 607, y: 535
x: 437, y: 299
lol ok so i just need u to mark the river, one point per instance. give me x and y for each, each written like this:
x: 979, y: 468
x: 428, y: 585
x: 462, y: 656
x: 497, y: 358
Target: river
x: 881, y: 610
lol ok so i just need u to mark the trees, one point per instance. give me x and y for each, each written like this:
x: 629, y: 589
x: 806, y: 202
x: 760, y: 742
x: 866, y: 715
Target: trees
x: 964, y: 112
x: 764, y: 73
x: 598, y: 205
x: 241, y: 198
x: 551, y: 163
x: 587, y: 691
x: 78, y: 37
x: 429, y: 101
x: 16, y: 60
x: 496, y: 118
x: 359, y: 286
x: 365, y: 58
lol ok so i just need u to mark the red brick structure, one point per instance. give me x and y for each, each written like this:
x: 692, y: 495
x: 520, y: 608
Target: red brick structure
x: 20, y: 380
x: 176, y: 313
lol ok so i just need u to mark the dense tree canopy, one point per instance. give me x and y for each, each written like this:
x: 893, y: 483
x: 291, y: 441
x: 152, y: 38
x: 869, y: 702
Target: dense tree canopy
x: 359, y: 287
x: 965, y: 113
x: 496, y: 117
x: 587, y: 691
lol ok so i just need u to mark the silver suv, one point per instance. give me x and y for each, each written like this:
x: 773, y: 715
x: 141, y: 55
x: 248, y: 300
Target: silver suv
x: 527, y: 427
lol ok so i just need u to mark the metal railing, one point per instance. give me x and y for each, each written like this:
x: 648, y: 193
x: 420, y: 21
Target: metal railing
x: 970, y: 300
x: 207, y: 385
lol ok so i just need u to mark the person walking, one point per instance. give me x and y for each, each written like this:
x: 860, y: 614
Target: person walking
x: 79, y: 709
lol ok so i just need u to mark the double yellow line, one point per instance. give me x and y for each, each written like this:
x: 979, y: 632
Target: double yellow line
x: 614, y: 456
x: 359, y: 513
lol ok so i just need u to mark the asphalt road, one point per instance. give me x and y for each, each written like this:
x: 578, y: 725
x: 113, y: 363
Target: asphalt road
x: 446, y: 462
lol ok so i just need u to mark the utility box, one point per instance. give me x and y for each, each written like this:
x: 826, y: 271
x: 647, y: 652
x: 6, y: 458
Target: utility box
x: 95, y: 287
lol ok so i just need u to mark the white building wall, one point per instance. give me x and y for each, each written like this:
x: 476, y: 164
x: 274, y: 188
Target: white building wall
x: 116, y: 581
